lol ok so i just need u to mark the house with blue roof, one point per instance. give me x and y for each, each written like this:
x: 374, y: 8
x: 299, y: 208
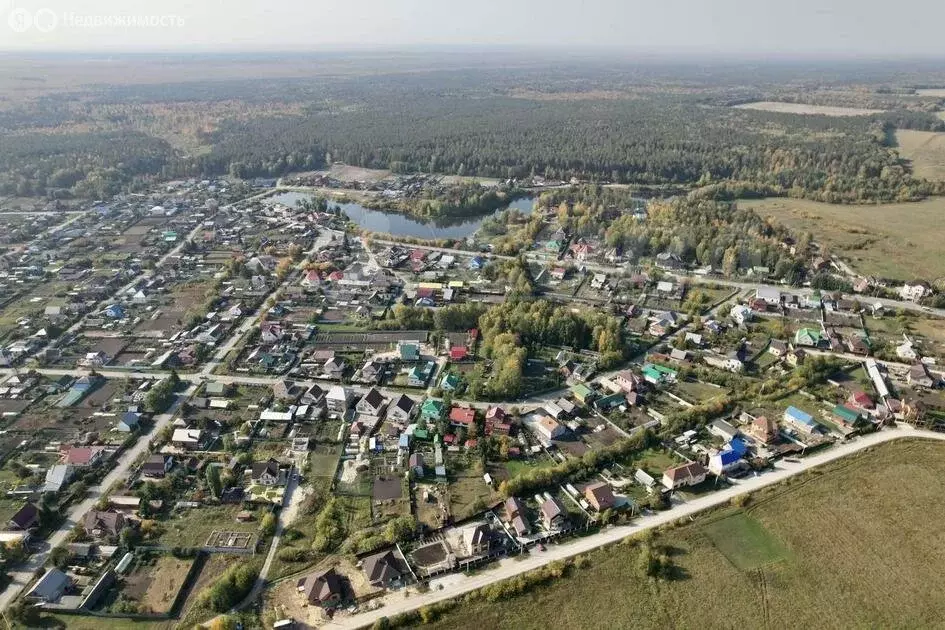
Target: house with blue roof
x: 477, y: 263
x: 800, y: 420
x: 738, y: 445
x: 724, y: 461
x: 115, y: 311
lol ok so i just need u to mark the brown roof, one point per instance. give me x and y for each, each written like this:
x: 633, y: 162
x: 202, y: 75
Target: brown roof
x: 550, y: 509
x: 686, y: 471
x: 108, y: 523
x: 322, y: 587
x: 600, y: 495
x: 25, y: 517
x: 382, y: 568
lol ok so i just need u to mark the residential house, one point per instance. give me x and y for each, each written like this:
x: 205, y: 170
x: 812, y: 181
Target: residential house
x: 187, y: 439
x: 286, y: 391
x: 372, y: 403
x: 82, y: 456
x: 763, y: 430
x: 477, y: 539
x: 549, y: 428
x: 845, y: 416
x: 769, y: 295
x: 50, y: 587
x: 724, y: 461
x: 322, y: 589
x: 778, y: 348
x: 271, y: 332
x: 99, y: 524
x: 419, y: 375
x: 919, y: 376
x: 157, y: 466
x: 628, y: 381
x: 600, y: 495
x: 459, y: 353
x: 741, y: 314
x: 270, y: 473
x: 810, y: 337
x: 690, y: 474
x: 57, y: 477
x: 800, y: 420
x: 553, y: 514
x: 462, y: 416
x: 515, y: 516
x: 862, y: 400
x: 723, y: 429
x: 432, y: 409
x: 129, y: 422
x: 25, y: 518
x: 668, y: 260
x: 914, y: 291
x: 372, y: 371
x: 796, y: 356
x: 402, y: 409
x: 409, y: 350
x: 449, y: 382
x: 415, y: 464
x: 334, y: 368
x: 582, y: 393
x: 313, y: 396
x: 338, y: 400
x: 384, y: 569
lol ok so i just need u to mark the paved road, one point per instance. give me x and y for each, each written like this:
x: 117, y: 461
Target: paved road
x: 398, y: 602
x: 24, y: 575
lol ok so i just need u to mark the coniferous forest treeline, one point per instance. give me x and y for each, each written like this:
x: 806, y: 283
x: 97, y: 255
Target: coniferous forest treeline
x: 632, y: 128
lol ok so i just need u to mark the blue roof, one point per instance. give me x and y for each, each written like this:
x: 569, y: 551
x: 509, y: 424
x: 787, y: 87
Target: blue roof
x: 799, y: 416
x: 729, y: 457
x: 737, y: 445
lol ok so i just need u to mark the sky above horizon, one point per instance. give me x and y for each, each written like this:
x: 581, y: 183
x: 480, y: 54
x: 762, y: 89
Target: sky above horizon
x: 846, y: 28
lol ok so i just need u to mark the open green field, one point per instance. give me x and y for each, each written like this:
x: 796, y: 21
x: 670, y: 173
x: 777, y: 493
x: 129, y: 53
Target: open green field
x: 926, y: 151
x: 192, y: 527
x: 744, y: 542
x: 899, y: 241
x: 845, y: 546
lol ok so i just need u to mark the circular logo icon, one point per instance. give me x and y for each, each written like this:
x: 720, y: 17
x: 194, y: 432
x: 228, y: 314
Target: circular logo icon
x: 45, y: 20
x: 20, y: 20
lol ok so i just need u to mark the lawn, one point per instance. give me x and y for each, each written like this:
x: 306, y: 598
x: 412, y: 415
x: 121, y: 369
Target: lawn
x: 192, y: 526
x: 812, y: 553
x: 518, y: 466
x: 744, y: 541
x: 323, y: 461
x: 698, y: 393
x: 652, y: 461
x: 899, y: 241
x: 469, y: 495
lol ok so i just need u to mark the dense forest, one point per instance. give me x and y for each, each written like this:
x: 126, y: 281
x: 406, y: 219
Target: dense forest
x: 648, y: 125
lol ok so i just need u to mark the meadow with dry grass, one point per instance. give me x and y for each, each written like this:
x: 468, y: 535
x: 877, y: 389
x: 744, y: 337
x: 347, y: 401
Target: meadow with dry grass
x: 847, y: 545
x: 900, y: 241
x: 926, y: 151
